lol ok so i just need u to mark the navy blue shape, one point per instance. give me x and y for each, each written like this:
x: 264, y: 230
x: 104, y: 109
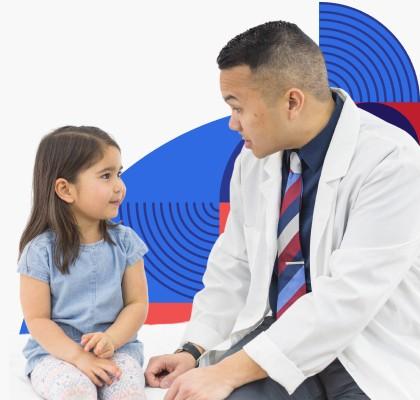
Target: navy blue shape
x: 364, y: 58
x: 227, y: 175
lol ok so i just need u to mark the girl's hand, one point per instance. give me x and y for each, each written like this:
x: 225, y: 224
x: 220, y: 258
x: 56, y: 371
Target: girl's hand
x: 98, y: 370
x: 100, y: 342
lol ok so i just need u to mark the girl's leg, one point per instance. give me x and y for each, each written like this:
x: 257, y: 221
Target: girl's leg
x: 131, y: 384
x: 59, y: 380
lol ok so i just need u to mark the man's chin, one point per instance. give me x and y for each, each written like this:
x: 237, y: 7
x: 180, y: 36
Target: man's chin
x: 260, y: 154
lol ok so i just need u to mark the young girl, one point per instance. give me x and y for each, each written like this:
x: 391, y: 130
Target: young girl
x: 83, y: 286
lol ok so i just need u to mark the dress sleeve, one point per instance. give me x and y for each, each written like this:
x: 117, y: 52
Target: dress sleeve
x: 135, y: 247
x: 34, y: 262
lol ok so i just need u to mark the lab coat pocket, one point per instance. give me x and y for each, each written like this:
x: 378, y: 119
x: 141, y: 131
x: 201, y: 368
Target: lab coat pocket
x: 251, y: 239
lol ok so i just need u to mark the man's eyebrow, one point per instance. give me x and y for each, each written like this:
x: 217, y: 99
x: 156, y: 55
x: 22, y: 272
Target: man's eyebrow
x: 109, y: 169
x: 230, y: 97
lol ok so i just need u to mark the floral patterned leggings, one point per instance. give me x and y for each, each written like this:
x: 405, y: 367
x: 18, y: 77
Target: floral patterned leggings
x: 54, y: 379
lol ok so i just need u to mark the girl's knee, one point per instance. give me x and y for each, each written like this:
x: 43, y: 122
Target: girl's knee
x: 56, y: 379
x: 131, y: 384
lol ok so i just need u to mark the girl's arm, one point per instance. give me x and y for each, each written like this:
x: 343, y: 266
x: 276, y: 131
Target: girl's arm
x: 35, y: 298
x: 133, y: 315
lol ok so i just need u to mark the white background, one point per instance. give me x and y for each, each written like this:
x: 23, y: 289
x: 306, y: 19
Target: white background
x: 143, y: 71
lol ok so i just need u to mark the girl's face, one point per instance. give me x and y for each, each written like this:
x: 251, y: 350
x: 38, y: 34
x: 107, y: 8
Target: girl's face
x: 99, y: 190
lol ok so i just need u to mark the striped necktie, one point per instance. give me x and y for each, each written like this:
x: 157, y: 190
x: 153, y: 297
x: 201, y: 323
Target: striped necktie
x: 290, y: 267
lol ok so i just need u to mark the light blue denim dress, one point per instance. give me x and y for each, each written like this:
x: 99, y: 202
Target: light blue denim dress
x: 90, y: 298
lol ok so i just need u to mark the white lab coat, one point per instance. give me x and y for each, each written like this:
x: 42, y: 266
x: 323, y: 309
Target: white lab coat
x: 364, y: 307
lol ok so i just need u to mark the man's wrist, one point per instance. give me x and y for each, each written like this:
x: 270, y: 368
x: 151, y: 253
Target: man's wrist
x: 192, y: 349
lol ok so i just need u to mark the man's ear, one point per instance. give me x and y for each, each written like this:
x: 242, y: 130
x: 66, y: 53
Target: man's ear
x: 296, y: 100
x: 64, y: 190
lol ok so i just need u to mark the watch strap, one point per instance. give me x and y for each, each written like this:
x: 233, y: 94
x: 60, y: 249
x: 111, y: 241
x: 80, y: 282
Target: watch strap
x: 191, y: 349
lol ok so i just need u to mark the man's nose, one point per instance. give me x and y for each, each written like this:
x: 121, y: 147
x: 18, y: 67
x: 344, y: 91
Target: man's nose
x: 234, y: 124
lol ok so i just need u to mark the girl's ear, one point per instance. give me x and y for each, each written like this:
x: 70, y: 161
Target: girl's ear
x: 64, y: 190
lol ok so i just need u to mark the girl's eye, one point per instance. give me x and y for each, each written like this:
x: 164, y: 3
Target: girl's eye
x: 237, y: 110
x: 119, y: 174
x: 106, y: 176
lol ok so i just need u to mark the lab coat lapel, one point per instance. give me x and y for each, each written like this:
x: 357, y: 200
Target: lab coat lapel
x: 336, y: 164
x: 271, y: 192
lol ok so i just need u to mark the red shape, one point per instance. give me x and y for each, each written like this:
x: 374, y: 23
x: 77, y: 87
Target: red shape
x: 224, y: 209
x: 411, y: 111
x: 168, y: 313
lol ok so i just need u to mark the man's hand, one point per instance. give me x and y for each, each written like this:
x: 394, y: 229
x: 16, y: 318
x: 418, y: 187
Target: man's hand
x: 217, y: 381
x: 163, y: 370
x: 208, y: 383
x: 100, y: 342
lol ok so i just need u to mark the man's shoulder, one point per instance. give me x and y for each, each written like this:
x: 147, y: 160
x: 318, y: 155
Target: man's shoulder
x: 380, y: 141
x: 374, y: 130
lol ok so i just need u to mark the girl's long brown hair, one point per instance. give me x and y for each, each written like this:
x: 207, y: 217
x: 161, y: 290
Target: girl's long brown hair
x: 63, y: 153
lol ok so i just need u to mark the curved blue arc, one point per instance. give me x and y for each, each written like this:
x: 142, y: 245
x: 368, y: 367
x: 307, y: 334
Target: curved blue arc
x: 383, y: 38
x: 149, y: 263
x: 215, y: 217
x: 356, y: 70
x: 359, y: 60
x: 163, y: 263
x: 213, y: 207
x: 336, y: 83
x: 373, y: 51
x: 196, y: 245
x: 210, y: 234
x: 396, y: 73
x: 169, y: 245
x: 204, y: 221
x: 378, y: 73
x: 171, y: 288
x: 179, y: 243
x: 368, y: 58
x: 333, y: 83
x: 401, y: 62
x: 355, y: 84
x: 130, y: 222
x: 211, y: 242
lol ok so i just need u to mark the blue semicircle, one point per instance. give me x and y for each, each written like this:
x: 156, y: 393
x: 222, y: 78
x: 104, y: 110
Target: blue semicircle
x: 360, y: 42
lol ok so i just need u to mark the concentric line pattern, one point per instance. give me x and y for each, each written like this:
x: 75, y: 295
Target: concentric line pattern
x: 180, y: 236
x: 364, y: 58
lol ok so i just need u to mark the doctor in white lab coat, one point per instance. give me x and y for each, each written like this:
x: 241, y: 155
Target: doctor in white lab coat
x: 363, y: 310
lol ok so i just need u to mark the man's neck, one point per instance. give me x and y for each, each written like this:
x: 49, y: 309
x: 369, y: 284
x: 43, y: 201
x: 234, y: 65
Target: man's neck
x: 318, y: 115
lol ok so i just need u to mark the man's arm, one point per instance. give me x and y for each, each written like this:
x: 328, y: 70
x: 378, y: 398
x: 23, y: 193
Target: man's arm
x: 226, y: 280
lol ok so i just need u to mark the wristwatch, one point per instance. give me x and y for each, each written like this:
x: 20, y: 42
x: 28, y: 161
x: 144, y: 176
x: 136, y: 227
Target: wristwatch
x: 190, y: 348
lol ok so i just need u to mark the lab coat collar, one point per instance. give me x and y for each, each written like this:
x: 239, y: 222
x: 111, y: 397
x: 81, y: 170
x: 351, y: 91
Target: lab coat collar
x: 343, y: 142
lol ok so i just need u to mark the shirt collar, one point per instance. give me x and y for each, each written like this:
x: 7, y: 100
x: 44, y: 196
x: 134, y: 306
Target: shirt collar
x: 313, y: 153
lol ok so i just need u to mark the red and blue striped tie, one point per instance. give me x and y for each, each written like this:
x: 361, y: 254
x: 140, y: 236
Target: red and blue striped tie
x: 290, y: 268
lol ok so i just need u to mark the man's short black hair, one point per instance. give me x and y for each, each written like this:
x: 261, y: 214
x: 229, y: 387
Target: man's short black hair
x: 282, y: 53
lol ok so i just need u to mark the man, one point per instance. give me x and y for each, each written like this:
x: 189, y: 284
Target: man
x: 315, y: 283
